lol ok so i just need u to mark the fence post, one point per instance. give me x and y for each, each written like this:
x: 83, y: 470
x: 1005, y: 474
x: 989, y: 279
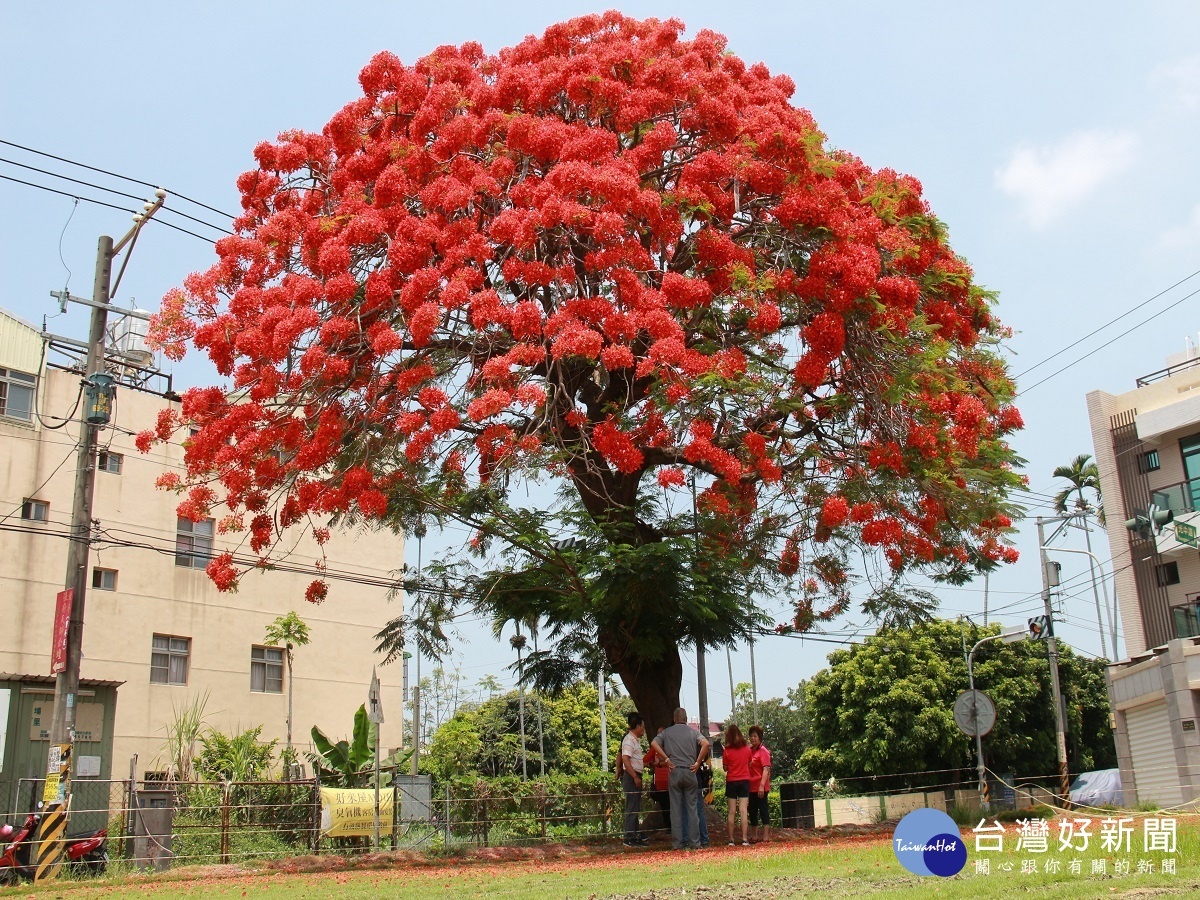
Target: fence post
x: 316, y: 814
x: 224, y: 822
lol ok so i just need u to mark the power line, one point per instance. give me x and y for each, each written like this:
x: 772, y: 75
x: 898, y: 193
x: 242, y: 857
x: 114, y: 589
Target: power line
x: 115, y: 175
x: 1107, y: 343
x: 108, y: 190
x: 42, y: 187
x: 1127, y: 312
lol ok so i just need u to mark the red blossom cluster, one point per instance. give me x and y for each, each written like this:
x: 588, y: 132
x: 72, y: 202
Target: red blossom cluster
x: 609, y: 252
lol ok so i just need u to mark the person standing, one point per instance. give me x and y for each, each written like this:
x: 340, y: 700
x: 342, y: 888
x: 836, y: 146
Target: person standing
x: 760, y: 783
x: 678, y: 746
x: 737, y: 781
x: 659, y: 791
x: 631, y: 779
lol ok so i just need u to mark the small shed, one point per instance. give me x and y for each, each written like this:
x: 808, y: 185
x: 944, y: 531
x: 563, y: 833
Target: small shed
x: 26, y: 707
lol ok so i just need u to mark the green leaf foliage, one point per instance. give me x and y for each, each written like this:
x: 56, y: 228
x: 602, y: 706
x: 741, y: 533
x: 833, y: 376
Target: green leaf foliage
x: 885, y: 708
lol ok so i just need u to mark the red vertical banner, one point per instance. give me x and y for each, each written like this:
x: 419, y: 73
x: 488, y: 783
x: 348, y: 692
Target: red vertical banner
x: 62, y: 618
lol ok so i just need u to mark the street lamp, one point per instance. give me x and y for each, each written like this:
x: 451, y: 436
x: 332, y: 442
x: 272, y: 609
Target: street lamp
x: 1009, y: 637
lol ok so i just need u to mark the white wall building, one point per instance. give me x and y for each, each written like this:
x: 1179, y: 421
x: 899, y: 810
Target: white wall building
x: 1147, y: 448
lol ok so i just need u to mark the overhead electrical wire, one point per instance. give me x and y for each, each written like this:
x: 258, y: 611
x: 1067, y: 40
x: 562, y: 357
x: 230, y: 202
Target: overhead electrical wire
x: 42, y: 187
x: 116, y: 175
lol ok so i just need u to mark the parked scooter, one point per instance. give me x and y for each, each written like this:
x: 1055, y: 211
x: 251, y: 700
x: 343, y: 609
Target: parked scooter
x: 87, y: 853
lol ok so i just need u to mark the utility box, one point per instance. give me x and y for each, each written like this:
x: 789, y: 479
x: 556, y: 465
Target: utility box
x: 414, y: 794
x: 153, y: 821
x: 796, y: 800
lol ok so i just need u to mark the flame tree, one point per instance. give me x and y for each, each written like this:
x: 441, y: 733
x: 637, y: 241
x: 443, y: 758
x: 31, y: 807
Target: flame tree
x: 620, y: 260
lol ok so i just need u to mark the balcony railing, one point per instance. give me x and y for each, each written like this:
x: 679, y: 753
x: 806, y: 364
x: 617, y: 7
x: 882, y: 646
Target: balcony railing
x: 1180, y: 498
x: 1168, y: 371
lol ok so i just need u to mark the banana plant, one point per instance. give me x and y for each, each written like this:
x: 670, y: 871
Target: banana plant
x: 352, y: 763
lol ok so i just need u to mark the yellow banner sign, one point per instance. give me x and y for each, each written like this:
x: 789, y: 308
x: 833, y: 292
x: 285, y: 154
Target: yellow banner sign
x: 349, y: 812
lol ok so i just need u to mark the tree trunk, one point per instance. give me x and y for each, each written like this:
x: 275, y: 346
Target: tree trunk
x: 653, y: 685
x: 289, y: 721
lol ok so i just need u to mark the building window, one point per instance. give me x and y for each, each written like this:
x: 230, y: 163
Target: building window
x: 266, y: 669
x: 35, y: 510
x: 1168, y: 573
x: 193, y: 543
x: 16, y: 394
x: 104, y: 579
x: 169, y: 659
x: 1148, y: 462
x: 110, y: 462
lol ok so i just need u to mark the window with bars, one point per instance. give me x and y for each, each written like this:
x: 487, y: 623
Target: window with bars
x: 16, y: 394
x: 110, y: 462
x: 104, y: 579
x: 169, y: 659
x: 193, y: 543
x: 266, y: 670
x: 35, y: 510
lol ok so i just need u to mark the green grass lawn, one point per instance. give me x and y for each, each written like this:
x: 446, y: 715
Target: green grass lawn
x: 835, y: 868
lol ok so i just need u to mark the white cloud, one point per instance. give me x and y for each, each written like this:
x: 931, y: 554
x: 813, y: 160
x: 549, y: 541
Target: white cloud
x: 1185, y: 236
x: 1048, y: 181
x: 1181, y: 80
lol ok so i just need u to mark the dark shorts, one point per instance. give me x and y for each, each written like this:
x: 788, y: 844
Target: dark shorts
x: 735, y: 790
x: 760, y: 810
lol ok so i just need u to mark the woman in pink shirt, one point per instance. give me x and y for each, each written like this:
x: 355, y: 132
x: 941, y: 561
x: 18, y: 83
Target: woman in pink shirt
x: 760, y: 782
x: 737, y: 780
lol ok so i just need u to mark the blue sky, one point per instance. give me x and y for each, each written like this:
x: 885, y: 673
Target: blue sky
x: 1058, y: 141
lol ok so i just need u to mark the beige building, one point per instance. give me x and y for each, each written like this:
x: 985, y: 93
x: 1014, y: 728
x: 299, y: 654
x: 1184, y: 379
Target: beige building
x: 1147, y: 449
x: 154, y: 622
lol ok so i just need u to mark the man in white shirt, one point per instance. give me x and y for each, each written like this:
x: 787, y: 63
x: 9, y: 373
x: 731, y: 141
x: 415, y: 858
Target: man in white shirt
x: 631, y: 780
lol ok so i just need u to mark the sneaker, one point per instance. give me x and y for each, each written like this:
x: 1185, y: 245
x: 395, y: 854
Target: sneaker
x: 745, y: 843
x: 731, y: 843
x: 628, y: 842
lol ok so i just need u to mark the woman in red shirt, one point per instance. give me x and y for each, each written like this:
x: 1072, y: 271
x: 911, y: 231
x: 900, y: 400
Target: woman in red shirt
x: 760, y: 782
x: 737, y: 780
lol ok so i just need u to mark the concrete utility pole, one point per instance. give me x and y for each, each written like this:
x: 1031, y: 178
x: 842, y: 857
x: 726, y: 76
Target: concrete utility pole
x: 414, y: 765
x: 518, y: 644
x: 96, y: 410
x: 701, y: 675
x: 1060, y: 728
x: 603, y: 722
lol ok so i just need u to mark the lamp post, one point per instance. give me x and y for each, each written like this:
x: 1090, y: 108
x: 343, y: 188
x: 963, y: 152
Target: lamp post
x: 419, y: 534
x: 1103, y: 586
x: 1008, y: 637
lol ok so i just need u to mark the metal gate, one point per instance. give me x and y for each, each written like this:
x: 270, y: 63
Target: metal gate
x: 1155, y: 772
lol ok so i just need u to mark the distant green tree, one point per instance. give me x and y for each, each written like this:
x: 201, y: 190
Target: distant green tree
x: 786, y: 726
x: 484, y: 737
x: 884, y: 707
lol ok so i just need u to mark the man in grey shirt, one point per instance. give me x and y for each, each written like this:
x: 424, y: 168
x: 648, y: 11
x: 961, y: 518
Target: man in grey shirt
x: 683, y: 749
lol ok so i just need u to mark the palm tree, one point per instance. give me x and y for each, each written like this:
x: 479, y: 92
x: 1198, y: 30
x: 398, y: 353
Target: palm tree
x: 291, y: 631
x: 1084, y: 476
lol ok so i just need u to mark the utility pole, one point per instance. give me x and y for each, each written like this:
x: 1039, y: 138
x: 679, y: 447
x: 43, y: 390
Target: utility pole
x: 414, y: 765
x: 701, y: 675
x: 732, y: 689
x: 541, y: 730
x: 1060, y: 729
x: 518, y: 644
x: 753, y: 684
x: 96, y: 411
x: 603, y: 722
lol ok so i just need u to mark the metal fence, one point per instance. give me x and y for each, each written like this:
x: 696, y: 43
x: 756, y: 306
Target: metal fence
x: 189, y: 823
